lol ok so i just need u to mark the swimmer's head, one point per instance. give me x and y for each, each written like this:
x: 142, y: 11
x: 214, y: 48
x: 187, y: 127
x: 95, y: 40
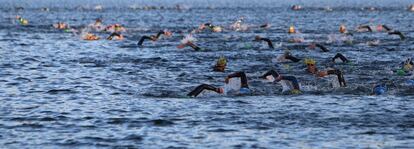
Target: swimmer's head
x: 292, y: 29
x: 380, y: 89
x: 342, y: 29
x: 167, y: 33
x: 296, y: 7
x: 257, y: 38
x: 408, y: 65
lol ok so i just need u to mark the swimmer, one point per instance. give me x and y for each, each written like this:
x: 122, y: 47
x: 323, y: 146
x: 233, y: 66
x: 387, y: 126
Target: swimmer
x: 117, y: 36
x: 290, y: 81
x: 314, y: 45
x: 311, y: 68
x: 296, y: 7
x: 269, y: 43
x: 238, y: 25
x: 203, y: 87
x: 90, y: 36
x: 61, y: 26
x: 341, y: 57
x: 220, y: 65
x: 154, y: 37
x: 115, y: 28
x: 189, y: 40
x: 408, y: 65
x: 286, y: 57
x: 364, y: 28
x: 211, y: 27
x: 244, y: 87
x: 379, y: 89
x: 343, y: 30
x: 22, y: 21
x: 292, y: 30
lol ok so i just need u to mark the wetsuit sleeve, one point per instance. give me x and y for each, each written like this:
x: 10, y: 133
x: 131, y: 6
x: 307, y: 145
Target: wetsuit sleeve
x: 242, y: 76
x: 159, y: 34
x: 269, y: 42
x: 141, y: 41
x: 323, y: 48
x: 340, y: 56
x: 292, y: 58
x: 274, y: 73
x: 200, y: 89
x: 340, y: 76
x: 192, y: 45
x: 112, y: 35
x: 386, y: 27
x: 292, y: 79
x: 367, y: 27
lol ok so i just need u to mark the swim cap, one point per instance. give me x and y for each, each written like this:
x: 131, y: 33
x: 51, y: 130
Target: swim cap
x: 400, y: 72
x: 380, y: 89
x: 292, y: 29
x: 410, y: 82
x: 244, y: 90
x: 295, y: 91
x: 309, y: 61
x: 222, y: 61
x: 408, y: 67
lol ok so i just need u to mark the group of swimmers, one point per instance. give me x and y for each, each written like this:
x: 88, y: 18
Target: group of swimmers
x: 290, y: 83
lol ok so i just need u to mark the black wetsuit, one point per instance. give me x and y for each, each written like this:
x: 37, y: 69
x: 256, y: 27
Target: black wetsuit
x: 402, y: 37
x: 292, y: 58
x: 386, y: 28
x: 366, y: 26
x: 242, y: 76
x: 143, y: 38
x: 340, y: 56
x: 341, y: 78
x: 293, y: 80
x: 324, y: 49
x: 269, y: 43
x: 275, y: 74
x: 112, y: 35
x: 201, y: 88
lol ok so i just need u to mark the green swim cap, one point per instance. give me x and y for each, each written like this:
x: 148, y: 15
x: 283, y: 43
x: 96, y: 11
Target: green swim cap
x: 295, y: 91
x: 400, y: 72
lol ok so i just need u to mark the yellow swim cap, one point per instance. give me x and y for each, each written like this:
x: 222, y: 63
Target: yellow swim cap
x: 309, y: 61
x: 222, y: 61
x: 408, y: 67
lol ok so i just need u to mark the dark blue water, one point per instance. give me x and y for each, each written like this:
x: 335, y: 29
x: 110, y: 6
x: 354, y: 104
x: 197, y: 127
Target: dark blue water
x: 59, y: 91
